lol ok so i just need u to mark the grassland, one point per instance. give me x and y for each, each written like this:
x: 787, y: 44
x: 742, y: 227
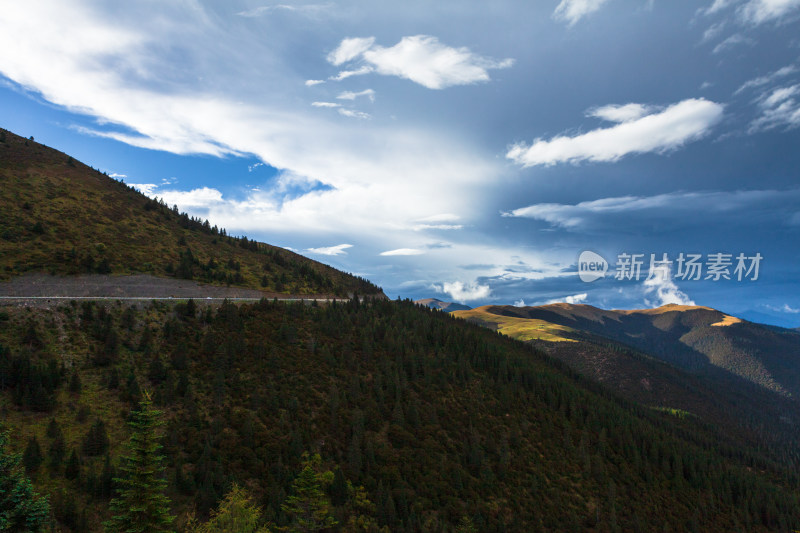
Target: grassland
x: 521, y: 329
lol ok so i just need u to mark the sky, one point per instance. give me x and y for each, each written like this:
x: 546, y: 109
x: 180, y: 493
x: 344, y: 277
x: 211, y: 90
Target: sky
x: 468, y: 151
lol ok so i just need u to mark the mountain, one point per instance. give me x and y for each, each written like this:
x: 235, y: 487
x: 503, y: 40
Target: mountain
x: 448, y: 307
x: 427, y: 422
x: 61, y: 217
x: 695, y: 338
x: 696, y: 361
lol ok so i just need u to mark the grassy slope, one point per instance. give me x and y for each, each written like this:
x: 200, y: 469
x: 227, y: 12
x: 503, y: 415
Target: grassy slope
x: 521, y: 329
x: 57, y: 215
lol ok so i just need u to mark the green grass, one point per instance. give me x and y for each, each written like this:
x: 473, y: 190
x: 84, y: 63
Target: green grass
x: 521, y: 329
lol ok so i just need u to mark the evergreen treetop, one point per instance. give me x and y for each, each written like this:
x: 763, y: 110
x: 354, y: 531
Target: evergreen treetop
x: 141, y: 505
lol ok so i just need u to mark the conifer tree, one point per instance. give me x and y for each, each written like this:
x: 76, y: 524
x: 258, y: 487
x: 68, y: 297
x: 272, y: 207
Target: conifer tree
x: 236, y: 514
x: 141, y: 505
x: 32, y: 457
x: 308, y: 506
x: 96, y: 442
x: 21, y: 509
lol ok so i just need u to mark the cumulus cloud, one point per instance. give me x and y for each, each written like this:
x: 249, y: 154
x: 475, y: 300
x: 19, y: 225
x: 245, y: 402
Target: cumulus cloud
x: 203, y: 197
x: 419, y: 58
x: 461, y: 292
x: 519, y: 303
x: 663, y: 290
x: 144, y: 188
x: 403, y: 251
x: 657, y: 132
x: 311, y: 83
x: 339, y: 249
x: 350, y: 49
x: 572, y: 299
x: 571, y: 11
x: 589, y: 213
x: 620, y: 113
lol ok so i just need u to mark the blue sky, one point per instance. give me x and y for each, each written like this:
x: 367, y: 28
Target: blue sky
x: 464, y: 150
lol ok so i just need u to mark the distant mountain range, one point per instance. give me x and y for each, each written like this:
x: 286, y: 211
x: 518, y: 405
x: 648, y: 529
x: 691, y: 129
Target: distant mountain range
x: 694, y: 338
x: 738, y: 376
x: 448, y: 307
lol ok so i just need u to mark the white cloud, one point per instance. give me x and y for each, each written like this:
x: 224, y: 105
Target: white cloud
x: 519, y: 303
x: 344, y: 74
x: 350, y: 95
x: 761, y: 11
x: 573, y: 299
x: 311, y: 83
x: 779, y: 107
x: 658, y: 132
x: 203, y: 197
x: 719, y: 5
x: 403, y: 251
x: 144, y: 188
x: 339, y: 249
x: 446, y: 227
x: 353, y: 114
x: 785, y: 308
x: 254, y: 166
x: 117, y: 176
x: 620, y: 113
x: 307, y: 9
x: 461, y: 292
x: 584, y: 214
x: 764, y: 80
x: 733, y: 41
x: 325, y: 104
x: 379, y: 178
x: 419, y: 58
x: 713, y: 31
x: 571, y: 11
x: 665, y: 291
x: 350, y: 49
x: 441, y: 217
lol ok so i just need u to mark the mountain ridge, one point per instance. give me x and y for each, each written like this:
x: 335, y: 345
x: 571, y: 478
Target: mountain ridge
x: 62, y: 217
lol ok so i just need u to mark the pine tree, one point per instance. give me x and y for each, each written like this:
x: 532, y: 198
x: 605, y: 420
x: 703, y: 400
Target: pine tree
x: 96, y: 442
x: 73, y: 468
x: 236, y: 514
x: 141, y: 504
x: 308, y: 506
x: 21, y: 509
x: 32, y: 457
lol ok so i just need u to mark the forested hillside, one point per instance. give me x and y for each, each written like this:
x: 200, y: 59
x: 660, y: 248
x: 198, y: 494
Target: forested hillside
x: 439, y: 420
x: 60, y: 216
